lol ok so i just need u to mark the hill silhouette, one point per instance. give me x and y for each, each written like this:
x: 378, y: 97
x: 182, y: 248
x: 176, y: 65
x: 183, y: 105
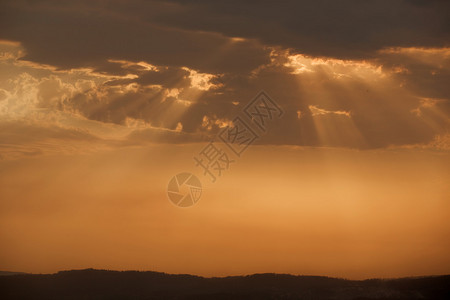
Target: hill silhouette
x: 103, y: 284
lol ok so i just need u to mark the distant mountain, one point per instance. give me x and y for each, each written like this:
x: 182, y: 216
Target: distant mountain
x: 102, y: 284
x: 6, y: 273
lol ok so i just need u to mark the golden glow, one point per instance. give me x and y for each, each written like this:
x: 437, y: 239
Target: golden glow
x: 315, y: 111
x: 201, y: 81
x: 338, y: 68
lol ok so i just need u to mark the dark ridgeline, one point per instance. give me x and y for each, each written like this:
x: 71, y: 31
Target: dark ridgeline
x: 102, y: 284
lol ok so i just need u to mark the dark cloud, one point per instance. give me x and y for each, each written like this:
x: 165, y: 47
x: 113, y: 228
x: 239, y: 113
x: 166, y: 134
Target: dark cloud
x: 168, y: 77
x: 343, y: 29
x: 358, y: 112
x: 425, y: 72
x: 72, y: 36
x: 405, y: 101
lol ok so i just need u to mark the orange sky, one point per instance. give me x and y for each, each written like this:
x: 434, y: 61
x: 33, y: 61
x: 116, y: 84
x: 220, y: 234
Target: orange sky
x: 346, y: 213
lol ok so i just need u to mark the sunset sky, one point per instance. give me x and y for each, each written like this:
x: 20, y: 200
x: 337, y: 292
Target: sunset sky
x: 103, y: 102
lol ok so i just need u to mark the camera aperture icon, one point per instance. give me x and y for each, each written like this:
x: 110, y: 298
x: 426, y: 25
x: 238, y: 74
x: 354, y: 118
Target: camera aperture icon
x: 184, y: 189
